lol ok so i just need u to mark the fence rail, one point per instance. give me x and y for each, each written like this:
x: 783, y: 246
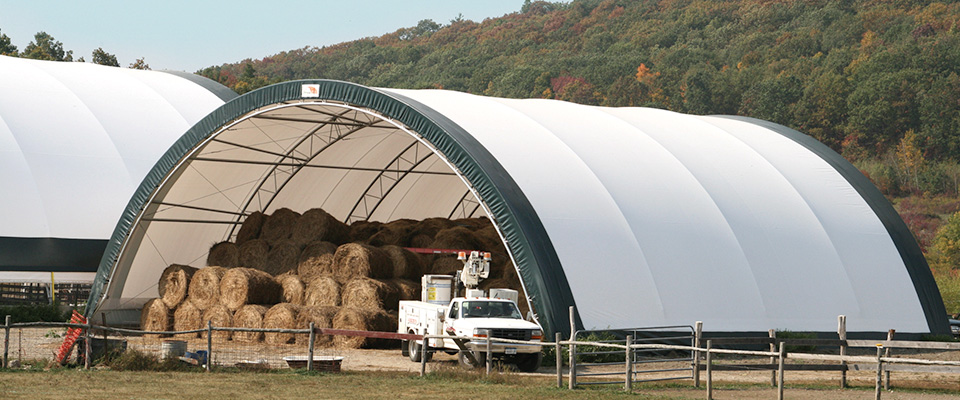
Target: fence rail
x: 882, y: 362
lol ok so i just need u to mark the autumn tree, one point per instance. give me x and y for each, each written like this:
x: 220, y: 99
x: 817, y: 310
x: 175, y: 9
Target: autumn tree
x: 139, y: 64
x: 45, y: 47
x: 911, y: 162
x: 103, y: 58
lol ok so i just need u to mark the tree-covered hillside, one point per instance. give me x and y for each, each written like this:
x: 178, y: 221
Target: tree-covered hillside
x: 856, y: 74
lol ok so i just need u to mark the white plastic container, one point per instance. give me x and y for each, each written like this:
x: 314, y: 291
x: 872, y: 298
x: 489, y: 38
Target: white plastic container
x: 437, y: 289
x: 507, y: 294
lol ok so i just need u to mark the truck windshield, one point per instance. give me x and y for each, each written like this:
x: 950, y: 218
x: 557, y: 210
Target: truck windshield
x: 490, y: 309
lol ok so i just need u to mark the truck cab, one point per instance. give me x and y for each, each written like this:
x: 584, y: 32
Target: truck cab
x: 477, y: 318
x: 476, y: 315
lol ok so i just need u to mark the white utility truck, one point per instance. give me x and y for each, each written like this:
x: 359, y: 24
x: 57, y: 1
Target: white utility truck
x: 476, y: 315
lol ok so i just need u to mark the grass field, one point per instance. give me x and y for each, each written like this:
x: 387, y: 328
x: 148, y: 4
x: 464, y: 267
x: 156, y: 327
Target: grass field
x: 445, y: 384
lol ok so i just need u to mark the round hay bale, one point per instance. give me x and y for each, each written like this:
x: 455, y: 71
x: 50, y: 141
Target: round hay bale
x: 240, y: 286
x: 205, y: 287
x: 173, y: 284
x: 220, y: 317
x: 316, y: 224
x: 322, y: 317
x: 421, y: 240
x: 253, y: 254
x: 406, y: 289
x: 224, y: 254
x: 369, y: 294
x: 187, y: 317
x: 362, y: 320
x: 491, y: 239
x: 279, y: 226
x: 282, y: 258
x: 354, y: 260
x: 249, y: 316
x: 361, y: 231
x: 458, y: 237
x: 156, y: 316
x: 446, y: 265
x: 316, y: 259
x: 251, y: 227
x: 291, y: 288
x: 394, y: 233
x: 406, y: 264
x: 322, y: 291
x: 472, y: 223
x: 280, y: 316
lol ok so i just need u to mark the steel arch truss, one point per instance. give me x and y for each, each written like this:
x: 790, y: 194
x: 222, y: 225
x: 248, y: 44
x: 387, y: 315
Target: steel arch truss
x: 402, y: 165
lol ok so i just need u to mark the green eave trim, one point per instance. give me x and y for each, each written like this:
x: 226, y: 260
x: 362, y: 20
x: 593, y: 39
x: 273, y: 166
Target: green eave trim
x: 537, y: 261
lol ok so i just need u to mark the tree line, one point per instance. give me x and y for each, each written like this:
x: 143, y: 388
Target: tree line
x: 46, y: 47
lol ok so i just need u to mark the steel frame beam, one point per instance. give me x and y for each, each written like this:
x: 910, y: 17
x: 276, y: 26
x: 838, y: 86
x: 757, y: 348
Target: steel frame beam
x: 411, y: 156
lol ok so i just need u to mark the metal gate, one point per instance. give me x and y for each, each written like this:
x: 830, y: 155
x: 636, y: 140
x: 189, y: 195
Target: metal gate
x: 594, y: 364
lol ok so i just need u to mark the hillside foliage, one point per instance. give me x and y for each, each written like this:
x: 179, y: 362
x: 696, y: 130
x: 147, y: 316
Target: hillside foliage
x: 855, y: 74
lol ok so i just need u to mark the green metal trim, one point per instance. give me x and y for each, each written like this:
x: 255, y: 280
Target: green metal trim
x: 50, y: 254
x: 537, y: 261
x: 913, y: 259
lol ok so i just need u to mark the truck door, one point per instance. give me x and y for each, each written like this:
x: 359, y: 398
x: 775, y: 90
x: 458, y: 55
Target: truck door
x: 452, y: 316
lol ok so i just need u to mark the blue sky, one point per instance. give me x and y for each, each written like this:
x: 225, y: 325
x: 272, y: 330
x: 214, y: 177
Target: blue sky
x: 190, y: 35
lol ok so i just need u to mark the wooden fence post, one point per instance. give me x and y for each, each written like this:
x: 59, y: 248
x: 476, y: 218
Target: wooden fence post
x: 628, y: 383
x: 423, y: 355
x: 842, y: 333
x: 313, y: 337
x: 709, y: 370
x: 489, y: 355
x: 572, y: 382
x: 773, y: 348
x: 886, y: 353
x: 780, y: 362
x: 6, y: 342
x: 209, y: 344
x: 86, y: 346
x: 698, y: 335
x: 559, y: 362
x: 876, y: 392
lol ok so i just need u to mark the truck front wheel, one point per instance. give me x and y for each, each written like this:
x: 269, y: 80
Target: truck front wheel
x: 415, y: 351
x: 465, y: 362
x: 528, y: 362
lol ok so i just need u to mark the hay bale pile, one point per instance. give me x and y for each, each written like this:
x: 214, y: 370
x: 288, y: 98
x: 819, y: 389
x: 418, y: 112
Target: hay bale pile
x: 285, y: 270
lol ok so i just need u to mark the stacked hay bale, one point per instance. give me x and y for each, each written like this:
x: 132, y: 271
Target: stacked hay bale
x: 285, y: 270
x: 291, y: 288
x: 173, y: 284
x: 156, y: 317
x: 242, y: 286
x: 249, y: 316
x: 281, y: 316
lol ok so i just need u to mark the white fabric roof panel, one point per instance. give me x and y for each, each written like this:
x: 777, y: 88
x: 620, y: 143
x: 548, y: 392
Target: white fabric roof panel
x: 656, y: 218
x: 77, y: 139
